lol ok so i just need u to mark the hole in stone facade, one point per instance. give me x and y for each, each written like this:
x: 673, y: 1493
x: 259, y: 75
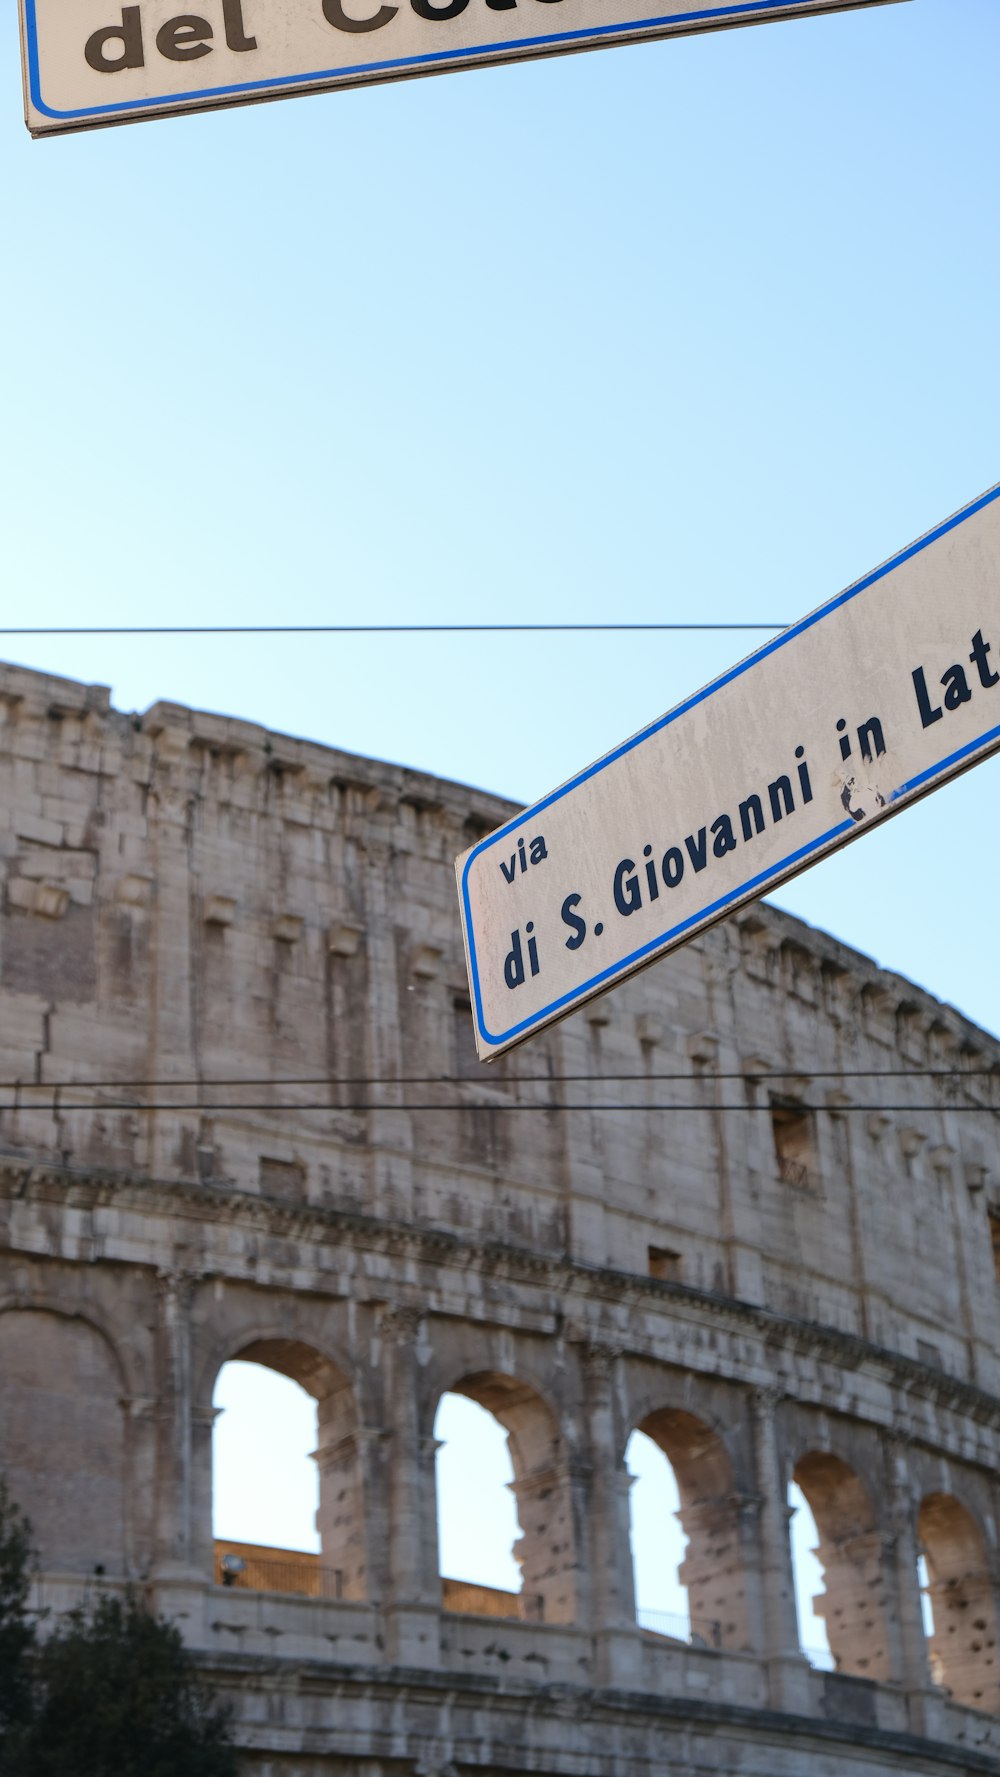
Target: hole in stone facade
x: 849, y: 1551
x: 962, y: 1644
x: 712, y: 1570
x: 545, y: 1551
x: 794, y: 1143
x: 283, y: 1179
x: 286, y: 1489
x: 658, y: 1542
x: 665, y: 1264
x: 477, y: 1514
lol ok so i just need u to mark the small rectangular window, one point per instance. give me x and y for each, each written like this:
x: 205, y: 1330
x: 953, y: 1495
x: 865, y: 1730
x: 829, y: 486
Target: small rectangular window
x: 665, y: 1264
x: 995, y: 1239
x: 794, y: 1143
x: 284, y: 1179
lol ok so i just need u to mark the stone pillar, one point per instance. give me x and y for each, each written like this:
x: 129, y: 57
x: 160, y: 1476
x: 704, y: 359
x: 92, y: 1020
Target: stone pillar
x: 546, y: 1552
x: 412, y: 1586
x: 390, y: 1134
x: 343, y: 1457
x: 852, y: 1604
x: 175, y: 1531
x: 714, y: 1573
x: 909, y: 1643
x: 172, y: 1050
x: 778, y: 1630
x: 576, y: 1047
x: 965, y: 1631
x: 703, y: 1051
x: 845, y: 1137
x: 607, y: 1550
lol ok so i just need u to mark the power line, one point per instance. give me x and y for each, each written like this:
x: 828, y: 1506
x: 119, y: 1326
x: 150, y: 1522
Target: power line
x: 365, y: 629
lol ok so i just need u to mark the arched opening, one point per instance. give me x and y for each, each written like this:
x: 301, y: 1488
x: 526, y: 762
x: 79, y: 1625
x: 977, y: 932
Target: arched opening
x: 477, y: 1514
x: 712, y: 1570
x: 848, y: 1551
x: 62, y: 1439
x: 657, y: 1540
x: 808, y: 1576
x: 512, y: 1476
x: 287, y: 1501
x: 963, y: 1641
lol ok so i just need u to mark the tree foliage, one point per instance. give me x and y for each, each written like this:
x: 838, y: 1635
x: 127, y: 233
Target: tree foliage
x: 111, y: 1692
x: 17, y: 1631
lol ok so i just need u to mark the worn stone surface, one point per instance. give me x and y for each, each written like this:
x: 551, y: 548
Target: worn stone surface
x: 778, y: 1281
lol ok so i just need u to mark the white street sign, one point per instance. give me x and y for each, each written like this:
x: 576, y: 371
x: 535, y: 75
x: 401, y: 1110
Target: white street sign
x: 875, y: 699
x: 93, y: 62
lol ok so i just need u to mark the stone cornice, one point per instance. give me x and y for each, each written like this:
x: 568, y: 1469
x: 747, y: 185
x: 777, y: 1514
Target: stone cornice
x: 597, y: 1707
x: 558, y: 1274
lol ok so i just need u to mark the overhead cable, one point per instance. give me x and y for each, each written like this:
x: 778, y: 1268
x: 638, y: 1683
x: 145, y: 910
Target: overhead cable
x: 362, y: 629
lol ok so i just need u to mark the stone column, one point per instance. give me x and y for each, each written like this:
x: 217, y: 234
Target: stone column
x: 778, y: 1631
x: 343, y: 1457
x: 608, y: 1550
x: 584, y: 1178
x: 845, y: 1137
x: 903, y: 1594
x: 390, y: 1133
x: 715, y: 1573
x: 852, y: 1604
x: 175, y: 1537
x: 704, y: 1053
x: 412, y: 1586
x: 547, y: 1550
x: 173, y: 1038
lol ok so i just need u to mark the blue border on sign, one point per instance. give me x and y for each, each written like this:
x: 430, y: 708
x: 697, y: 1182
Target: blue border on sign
x: 437, y: 57
x: 765, y: 876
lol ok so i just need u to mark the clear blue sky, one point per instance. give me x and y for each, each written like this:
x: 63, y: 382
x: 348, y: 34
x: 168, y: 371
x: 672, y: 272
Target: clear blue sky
x: 701, y: 329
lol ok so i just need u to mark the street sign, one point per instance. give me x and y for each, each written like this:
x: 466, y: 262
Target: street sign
x: 874, y: 700
x: 93, y: 62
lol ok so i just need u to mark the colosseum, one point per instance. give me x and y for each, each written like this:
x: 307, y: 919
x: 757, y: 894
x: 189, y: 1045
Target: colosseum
x: 749, y: 1204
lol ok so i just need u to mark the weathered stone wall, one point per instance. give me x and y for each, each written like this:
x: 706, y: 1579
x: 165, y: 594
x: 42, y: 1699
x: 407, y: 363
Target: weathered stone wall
x: 779, y: 1280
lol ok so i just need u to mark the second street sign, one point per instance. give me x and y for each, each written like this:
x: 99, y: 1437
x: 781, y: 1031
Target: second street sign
x: 846, y: 718
x: 93, y: 62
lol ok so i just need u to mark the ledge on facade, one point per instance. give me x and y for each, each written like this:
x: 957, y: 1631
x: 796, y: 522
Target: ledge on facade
x: 601, y: 1709
x: 468, y: 1599
x: 20, y: 1177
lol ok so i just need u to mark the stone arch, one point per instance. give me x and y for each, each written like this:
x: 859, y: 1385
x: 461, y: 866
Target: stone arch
x: 963, y: 1646
x: 546, y: 1549
x: 63, y: 1443
x: 229, y: 1341
x: 82, y: 1307
x: 714, y: 1568
x: 850, y: 1550
x: 340, y: 1518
